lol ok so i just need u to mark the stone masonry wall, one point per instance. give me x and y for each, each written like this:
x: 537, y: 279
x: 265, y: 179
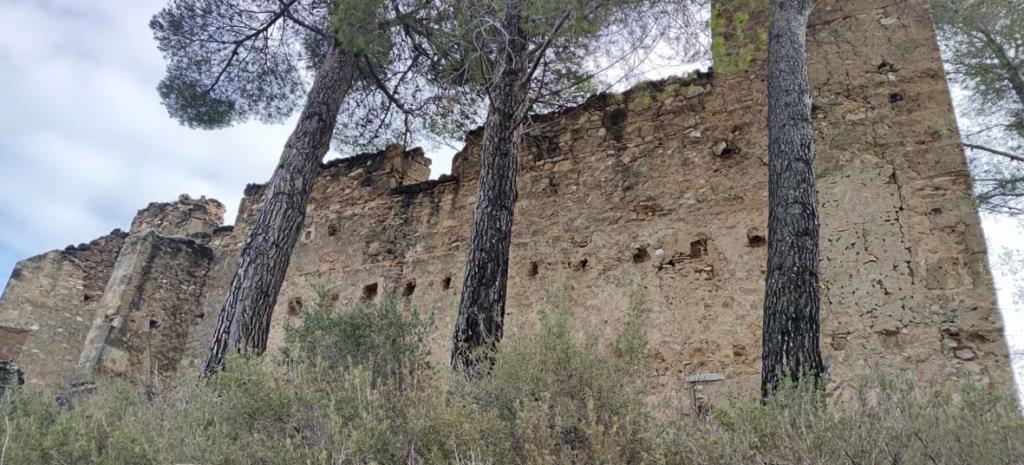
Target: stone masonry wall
x: 11, y: 342
x: 657, y: 194
x: 143, y: 321
x: 53, y: 297
x: 185, y: 217
x: 661, y: 193
x: 371, y: 174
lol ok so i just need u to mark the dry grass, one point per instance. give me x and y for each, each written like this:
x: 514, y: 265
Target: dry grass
x: 357, y: 390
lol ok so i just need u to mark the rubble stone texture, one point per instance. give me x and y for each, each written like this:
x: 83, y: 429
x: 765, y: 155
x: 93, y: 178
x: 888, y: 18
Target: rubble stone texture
x: 147, y: 310
x: 658, y: 193
x: 53, y: 296
x: 62, y: 297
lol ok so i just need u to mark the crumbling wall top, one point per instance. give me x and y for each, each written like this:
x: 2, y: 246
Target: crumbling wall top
x: 185, y: 217
x: 394, y: 165
x: 549, y: 130
x: 375, y: 172
x: 739, y: 34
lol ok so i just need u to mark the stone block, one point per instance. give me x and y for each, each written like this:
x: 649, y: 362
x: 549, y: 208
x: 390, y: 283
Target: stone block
x: 141, y: 325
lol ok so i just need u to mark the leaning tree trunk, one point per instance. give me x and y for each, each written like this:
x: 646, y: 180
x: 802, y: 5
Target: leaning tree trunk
x: 244, y: 321
x: 791, y: 303
x: 480, y: 323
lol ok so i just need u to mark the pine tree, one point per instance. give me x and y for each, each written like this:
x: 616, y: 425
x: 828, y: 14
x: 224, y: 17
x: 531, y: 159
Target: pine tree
x: 983, y: 47
x: 229, y: 61
x: 791, y: 334
x: 525, y: 56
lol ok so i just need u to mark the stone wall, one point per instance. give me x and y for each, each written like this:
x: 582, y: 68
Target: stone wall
x: 61, y: 299
x: 657, y: 194
x: 370, y: 175
x: 660, y: 193
x: 11, y: 342
x: 53, y: 297
x: 185, y: 217
x: 147, y: 311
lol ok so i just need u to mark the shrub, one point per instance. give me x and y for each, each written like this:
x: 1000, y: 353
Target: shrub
x: 379, y: 337
x: 888, y: 420
x: 562, y: 401
x: 356, y: 389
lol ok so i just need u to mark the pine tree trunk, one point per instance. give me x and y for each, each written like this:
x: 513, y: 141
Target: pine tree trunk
x: 244, y: 321
x: 791, y: 304
x: 480, y: 322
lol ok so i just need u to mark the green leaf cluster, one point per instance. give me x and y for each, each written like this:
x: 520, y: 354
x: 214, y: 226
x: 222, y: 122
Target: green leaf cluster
x: 736, y: 40
x: 361, y: 27
x: 984, y: 51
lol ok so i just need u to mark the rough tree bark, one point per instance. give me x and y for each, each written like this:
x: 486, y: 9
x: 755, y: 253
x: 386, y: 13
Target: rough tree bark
x: 480, y: 322
x: 244, y: 321
x: 792, y: 303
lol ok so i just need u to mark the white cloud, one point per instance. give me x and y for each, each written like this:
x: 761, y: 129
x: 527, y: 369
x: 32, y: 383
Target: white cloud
x: 86, y: 142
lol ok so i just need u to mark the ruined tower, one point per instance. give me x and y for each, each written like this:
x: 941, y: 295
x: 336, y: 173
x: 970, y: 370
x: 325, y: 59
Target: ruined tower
x: 658, y: 192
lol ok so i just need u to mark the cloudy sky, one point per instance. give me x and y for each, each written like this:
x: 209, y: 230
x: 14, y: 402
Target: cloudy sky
x: 85, y: 142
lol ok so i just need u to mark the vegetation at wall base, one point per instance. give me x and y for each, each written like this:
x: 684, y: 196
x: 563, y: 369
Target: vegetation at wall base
x: 355, y: 388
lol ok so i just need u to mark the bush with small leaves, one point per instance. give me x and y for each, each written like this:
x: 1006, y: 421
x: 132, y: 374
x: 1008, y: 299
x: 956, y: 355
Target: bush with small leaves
x: 355, y: 389
x: 383, y: 338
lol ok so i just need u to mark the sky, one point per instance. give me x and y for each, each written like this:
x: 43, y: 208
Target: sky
x: 85, y: 142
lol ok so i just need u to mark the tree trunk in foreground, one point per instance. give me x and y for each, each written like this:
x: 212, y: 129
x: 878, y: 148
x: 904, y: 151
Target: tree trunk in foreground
x: 480, y: 323
x: 791, y: 302
x: 244, y: 321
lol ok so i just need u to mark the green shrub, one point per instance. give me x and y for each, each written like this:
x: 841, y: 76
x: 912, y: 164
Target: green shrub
x: 381, y: 337
x: 562, y: 401
x: 356, y: 389
x: 105, y: 433
x: 888, y: 420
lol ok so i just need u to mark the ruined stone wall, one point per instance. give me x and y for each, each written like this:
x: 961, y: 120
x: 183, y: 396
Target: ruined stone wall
x: 149, y: 307
x: 370, y: 175
x: 53, y: 297
x: 116, y: 287
x: 185, y: 217
x: 11, y: 342
x: 661, y: 193
x: 657, y: 194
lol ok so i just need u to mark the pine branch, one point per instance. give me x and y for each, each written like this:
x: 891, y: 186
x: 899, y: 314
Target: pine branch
x: 1001, y: 153
x: 286, y: 8
x: 238, y: 43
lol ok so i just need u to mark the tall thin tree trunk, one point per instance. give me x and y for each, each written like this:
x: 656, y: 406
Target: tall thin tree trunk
x: 244, y: 321
x: 792, y: 302
x: 480, y: 323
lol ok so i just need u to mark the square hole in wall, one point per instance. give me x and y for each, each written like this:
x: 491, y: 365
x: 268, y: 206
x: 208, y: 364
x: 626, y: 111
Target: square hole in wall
x: 295, y: 306
x: 698, y: 248
x: 369, y: 292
